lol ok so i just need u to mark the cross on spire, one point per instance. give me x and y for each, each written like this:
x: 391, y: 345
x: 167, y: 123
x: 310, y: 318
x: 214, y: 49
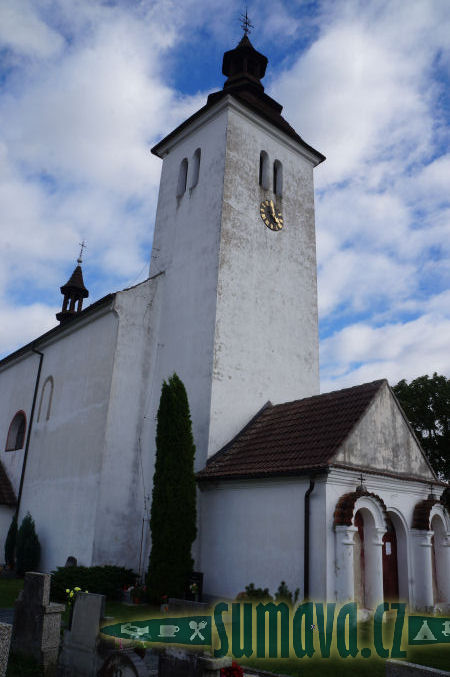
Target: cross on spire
x: 83, y: 245
x: 246, y: 24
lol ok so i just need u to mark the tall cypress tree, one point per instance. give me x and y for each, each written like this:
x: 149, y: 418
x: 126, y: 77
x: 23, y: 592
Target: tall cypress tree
x: 173, y: 514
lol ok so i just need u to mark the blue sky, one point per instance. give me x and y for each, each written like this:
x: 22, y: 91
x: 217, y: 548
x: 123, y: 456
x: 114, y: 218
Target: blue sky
x: 88, y: 87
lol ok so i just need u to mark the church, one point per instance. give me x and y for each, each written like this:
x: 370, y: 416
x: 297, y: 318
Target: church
x: 331, y: 492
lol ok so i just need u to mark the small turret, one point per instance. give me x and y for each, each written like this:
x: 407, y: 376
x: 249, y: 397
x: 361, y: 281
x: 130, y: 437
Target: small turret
x: 243, y: 65
x: 74, y: 292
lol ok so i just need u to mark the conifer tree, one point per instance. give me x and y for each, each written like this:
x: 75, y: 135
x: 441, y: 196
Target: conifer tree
x: 10, y: 543
x: 28, y: 548
x: 173, y: 513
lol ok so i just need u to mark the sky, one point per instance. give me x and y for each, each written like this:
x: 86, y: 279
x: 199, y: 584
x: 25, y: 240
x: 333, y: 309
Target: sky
x: 87, y: 88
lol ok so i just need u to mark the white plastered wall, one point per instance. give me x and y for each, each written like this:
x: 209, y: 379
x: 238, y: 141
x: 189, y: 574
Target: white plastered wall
x: 124, y: 492
x: 266, y: 333
x: 238, y: 298
x: 252, y: 531
x: 400, y: 498
x: 64, y: 459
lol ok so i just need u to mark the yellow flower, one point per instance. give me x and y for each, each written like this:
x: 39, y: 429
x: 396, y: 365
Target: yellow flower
x: 77, y: 589
x: 71, y: 593
x: 67, y: 590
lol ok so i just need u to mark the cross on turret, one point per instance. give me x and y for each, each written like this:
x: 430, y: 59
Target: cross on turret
x: 83, y: 245
x: 74, y: 292
x: 246, y: 23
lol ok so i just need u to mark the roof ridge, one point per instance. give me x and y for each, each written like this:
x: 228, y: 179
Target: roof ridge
x: 292, y: 436
x: 379, y: 382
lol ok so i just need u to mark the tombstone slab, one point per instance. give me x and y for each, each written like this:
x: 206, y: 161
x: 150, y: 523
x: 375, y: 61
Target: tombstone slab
x: 124, y: 663
x: 211, y: 667
x: 37, y: 621
x: 79, y: 657
x: 396, y: 668
x: 5, y: 641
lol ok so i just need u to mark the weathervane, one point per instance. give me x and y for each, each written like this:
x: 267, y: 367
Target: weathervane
x: 246, y: 24
x: 83, y: 245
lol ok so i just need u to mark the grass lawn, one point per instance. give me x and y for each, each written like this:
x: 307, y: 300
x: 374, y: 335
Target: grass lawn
x: 433, y: 656
x: 9, y: 591
x: 124, y: 612
x: 22, y: 666
x: 437, y: 656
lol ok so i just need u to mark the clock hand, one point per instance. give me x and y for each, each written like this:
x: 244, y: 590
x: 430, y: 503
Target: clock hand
x: 272, y: 209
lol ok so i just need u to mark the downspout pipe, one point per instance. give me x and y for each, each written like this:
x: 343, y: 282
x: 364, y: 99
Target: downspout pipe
x: 30, y: 426
x: 306, y: 541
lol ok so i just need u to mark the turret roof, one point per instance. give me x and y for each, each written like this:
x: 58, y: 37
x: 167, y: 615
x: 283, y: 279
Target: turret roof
x: 75, y: 284
x: 245, y: 66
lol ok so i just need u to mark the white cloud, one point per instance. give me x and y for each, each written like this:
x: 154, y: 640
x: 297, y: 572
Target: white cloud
x: 28, y: 322
x: 22, y: 30
x: 361, y: 353
x: 367, y: 93
x: 90, y: 90
x: 75, y: 136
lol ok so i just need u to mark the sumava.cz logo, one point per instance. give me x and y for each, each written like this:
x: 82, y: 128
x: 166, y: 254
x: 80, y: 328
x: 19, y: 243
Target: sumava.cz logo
x: 269, y: 630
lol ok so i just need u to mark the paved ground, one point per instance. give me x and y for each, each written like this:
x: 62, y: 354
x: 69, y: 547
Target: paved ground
x: 6, y: 616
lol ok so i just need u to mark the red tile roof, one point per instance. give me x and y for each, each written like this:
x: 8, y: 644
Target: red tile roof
x: 290, y: 438
x: 7, y: 496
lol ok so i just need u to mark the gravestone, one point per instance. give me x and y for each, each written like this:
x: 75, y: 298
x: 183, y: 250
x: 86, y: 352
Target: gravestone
x: 178, y: 662
x: 396, y: 668
x: 5, y: 641
x: 37, y: 621
x: 177, y: 605
x: 79, y: 656
x: 211, y: 667
x: 125, y: 663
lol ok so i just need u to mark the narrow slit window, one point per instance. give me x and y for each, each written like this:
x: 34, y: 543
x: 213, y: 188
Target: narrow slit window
x: 16, y: 432
x: 45, y: 402
x: 196, y: 167
x: 278, y: 178
x: 182, y: 177
x: 264, y: 170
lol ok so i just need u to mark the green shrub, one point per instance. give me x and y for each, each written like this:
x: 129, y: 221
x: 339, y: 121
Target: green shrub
x: 10, y: 543
x: 255, y: 593
x: 283, y: 594
x: 28, y: 548
x: 103, y: 580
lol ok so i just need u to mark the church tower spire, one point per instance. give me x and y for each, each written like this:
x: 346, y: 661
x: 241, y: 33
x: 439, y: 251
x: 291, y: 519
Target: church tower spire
x: 74, y: 292
x: 244, y: 66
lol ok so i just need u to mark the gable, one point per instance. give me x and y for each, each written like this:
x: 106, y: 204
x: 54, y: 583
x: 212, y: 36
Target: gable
x: 293, y: 437
x: 383, y: 440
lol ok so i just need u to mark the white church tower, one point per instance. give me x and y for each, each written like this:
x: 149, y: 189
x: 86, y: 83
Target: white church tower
x: 235, y: 242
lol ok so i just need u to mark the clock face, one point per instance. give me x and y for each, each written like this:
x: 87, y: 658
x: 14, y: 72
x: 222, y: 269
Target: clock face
x: 271, y: 217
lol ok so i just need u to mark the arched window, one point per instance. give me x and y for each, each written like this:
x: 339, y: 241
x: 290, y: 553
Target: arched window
x: 45, y: 402
x: 16, y: 432
x: 264, y: 170
x: 278, y: 178
x: 182, y: 177
x: 195, y: 167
